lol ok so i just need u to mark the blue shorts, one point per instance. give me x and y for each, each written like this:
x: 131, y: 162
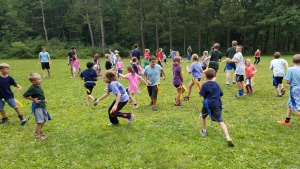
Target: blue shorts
x: 248, y: 81
x: 11, y: 102
x: 277, y: 81
x: 230, y: 66
x: 294, y: 100
x: 188, y: 57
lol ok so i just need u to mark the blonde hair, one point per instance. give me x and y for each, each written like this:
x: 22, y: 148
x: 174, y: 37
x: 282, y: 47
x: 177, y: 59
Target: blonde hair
x: 205, y: 52
x: 247, y: 60
x: 4, y: 65
x: 33, y: 76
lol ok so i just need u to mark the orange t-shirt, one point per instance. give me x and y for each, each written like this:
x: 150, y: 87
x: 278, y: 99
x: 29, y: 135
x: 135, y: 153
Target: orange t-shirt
x: 249, y: 71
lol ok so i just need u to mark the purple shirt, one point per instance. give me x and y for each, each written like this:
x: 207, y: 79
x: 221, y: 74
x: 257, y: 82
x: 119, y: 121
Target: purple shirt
x: 176, y: 75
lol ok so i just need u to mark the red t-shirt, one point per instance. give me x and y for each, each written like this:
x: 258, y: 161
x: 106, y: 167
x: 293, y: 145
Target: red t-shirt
x: 257, y: 54
x: 159, y: 56
x: 249, y: 71
x: 146, y: 56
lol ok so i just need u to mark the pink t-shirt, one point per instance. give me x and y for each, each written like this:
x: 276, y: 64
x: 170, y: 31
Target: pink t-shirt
x: 140, y: 70
x: 75, y: 63
x: 133, y: 82
x: 120, y: 65
x: 249, y: 71
x: 146, y: 56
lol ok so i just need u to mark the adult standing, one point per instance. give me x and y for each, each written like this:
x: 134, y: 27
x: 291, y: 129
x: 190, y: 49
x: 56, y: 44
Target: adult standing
x: 229, y: 66
x: 44, y: 59
x: 257, y: 57
x: 189, y: 54
x: 215, y: 57
x: 70, y: 57
x: 136, y: 52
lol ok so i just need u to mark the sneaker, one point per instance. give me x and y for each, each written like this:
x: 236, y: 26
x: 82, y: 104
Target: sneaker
x: 227, y: 85
x: 186, y: 98
x: 238, y: 95
x: 41, y: 138
x: 230, y: 142
x: 130, y: 120
x: 203, y: 133
x: 233, y: 83
x: 282, y: 91
x: 135, y: 107
x: 284, y: 123
x: 178, y: 105
x: 279, y: 95
x: 95, y: 99
x: 4, y: 120
x: 154, y: 108
x: 111, y: 124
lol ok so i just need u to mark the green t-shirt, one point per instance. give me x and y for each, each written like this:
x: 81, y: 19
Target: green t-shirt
x: 230, y: 52
x: 36, y: 92
x: 146, y: 63
x: 214, y: 60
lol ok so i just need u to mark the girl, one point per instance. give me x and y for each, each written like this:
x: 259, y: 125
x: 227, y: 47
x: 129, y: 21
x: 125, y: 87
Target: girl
x: 165, y: 58
x: 177, y: 54
x: 113, y: 86
x: 75, y: 65
x: 97, y: 66
x: 177, y: 80
x: 120, y: 66
x: 159, y: 56
x: 147, y: 54
x: 205, y: 60
x: 196, y: 71
x: 250, y: 70
x: 133, y: 79
x: 257, y: 57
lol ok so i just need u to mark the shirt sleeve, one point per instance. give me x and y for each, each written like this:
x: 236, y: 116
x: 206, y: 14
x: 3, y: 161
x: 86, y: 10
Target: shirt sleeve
x: 288, y: 75
x: 202, y: 91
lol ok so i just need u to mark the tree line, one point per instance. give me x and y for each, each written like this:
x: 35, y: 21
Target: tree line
x: 97, y: 25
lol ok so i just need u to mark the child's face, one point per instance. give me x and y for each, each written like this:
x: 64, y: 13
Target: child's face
x: 106, y: 80
x: 248, y: 63
x: 176, y: 62
x: 152, y: 63
x: 238, y: 49
x: 37, y: 81
x: 5, y: 70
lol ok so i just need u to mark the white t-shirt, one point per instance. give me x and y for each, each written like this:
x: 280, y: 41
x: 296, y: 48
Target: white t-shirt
x: 240, y: 66
x: 277, y: 65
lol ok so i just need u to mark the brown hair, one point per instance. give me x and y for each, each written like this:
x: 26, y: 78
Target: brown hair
x: 130, y: 69
x: 296, y: 59
x: 177, y: 59
x: 152, y: 58
x: 234, y: 43
x: 195, y: 57
x: 210, y: 73
x: 134, y: 59
x: 277, y: 55
x: 110, y: 75
x: 33, y: 76
x: 216, y: 46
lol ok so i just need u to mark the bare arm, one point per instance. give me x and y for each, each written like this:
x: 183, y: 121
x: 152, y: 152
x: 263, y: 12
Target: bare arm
x: 230, y: 60
x: 101, y: 98
x: 19, y: 88
x: 164, y: 75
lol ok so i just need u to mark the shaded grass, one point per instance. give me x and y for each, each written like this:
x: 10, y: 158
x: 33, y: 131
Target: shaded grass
x: 79, y: 136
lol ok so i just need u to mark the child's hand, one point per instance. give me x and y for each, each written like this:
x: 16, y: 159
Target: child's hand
x: 114, y: 108
x: 96, y: 102
x: 148, y: 82
x: 163, y: 78
x: 20, y: 90
x: 36, y: 100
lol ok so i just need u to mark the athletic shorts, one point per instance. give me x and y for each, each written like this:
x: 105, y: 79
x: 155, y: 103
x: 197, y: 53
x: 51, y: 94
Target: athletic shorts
x: 294, y: 100
x: 277, y: 81
x: 197, y: 79
x: 230, y: 66
x: 177, y: 86
x: 239, y: 78
x: 11, y: 102
x: 40, y: 115
x: 188, y: 57
x: 248, y: 81
x: 152, y: 91
x: 216, y: 113
x: 89, y: 89
x: 45, y: 65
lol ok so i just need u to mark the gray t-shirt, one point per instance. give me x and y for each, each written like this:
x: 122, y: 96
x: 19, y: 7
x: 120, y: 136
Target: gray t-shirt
x: 240, y: 66
x: 277, y: 65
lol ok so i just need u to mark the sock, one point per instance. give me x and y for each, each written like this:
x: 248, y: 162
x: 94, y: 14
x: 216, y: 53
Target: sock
x: 240, y: 92
x: 287, y: 120
x: 228, y: 137
x: 204, y: 130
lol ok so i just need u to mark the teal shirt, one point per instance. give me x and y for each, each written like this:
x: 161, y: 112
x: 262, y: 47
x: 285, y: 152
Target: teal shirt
x: 36, y: 92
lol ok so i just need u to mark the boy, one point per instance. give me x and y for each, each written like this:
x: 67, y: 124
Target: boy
x: 89, y: 76
x: 152, y: 77
x: 44, y: 59
x: 238, y: 59
x: 36, y: 94
x: 293, y: 79
x: 277, y: 65
x: 6, y: 95
x: 134, y: 65
x: 70, y: 56
x: 122, y: 97
x: 212, y: 104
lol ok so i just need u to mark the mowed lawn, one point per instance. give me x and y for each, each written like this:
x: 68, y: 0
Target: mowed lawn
x: 78, y: 135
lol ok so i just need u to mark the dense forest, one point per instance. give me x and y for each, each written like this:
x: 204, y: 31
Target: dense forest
x: 94, y: 26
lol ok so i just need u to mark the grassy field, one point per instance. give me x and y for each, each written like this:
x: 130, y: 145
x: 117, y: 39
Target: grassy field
x: 169, y: 138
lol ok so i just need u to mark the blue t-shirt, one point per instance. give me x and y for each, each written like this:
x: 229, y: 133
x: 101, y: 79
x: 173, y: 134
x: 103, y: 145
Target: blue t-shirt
x: 44, y: 56
x: 136, y: 53
x: 5, y: 91
x: 135, y: 68
x: 212, y: 91
x: 153, y: 74
x: 89, y: 76
x: 196, y: 69
x: 115, y: 87
x: 293, y: 75
x: 172, y: 55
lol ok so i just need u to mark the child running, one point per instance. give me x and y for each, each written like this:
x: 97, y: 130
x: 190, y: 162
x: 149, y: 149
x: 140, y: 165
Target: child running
x: 133, y: 79
x: 293, y: 79
x: 97, y: 66
x: 205, y: 60
x: 152, y: 77
x: 212, y: 104
x: 75, y: 65
x: 196, y: 71
x: 277, y: 65
x: 120, y: 66
x: 250, y: 70
x: 35, y: 93
x: 177, y: 80
x: 6, y: 94
x: 165, y: 58
x: 121, y: 99
x: 89, y: 76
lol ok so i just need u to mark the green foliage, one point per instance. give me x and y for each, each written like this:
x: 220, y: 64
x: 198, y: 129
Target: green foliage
x: 20, y: 50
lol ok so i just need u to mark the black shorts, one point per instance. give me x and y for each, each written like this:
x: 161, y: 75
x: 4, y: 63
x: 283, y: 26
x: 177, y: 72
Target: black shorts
x: 45, y: 65
x: 89, y: 89
x: 239, y: 78
x: 216, y: 113
x: 152, y: 90
x: 277, y: 81
x: 177, y: 86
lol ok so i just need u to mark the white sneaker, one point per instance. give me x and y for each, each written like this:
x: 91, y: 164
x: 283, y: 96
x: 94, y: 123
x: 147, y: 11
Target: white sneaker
x: 111, y: 124
x: 230, y: 142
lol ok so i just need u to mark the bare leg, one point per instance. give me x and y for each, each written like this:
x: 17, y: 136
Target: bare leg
x: 154, y: 102
x: 44, y: 71
x: 203, y: 123
x: 178, y: 96
x: 228, y: 72
x: 48, y: 72
x: 191, y: 84
x: 38, y: 130
x: 3, y: 113
x: 224, y: 128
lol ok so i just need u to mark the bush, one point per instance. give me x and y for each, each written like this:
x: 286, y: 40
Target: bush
x: 20, y: 50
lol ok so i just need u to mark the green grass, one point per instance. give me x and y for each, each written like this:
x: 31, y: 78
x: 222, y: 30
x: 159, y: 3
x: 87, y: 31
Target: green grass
x: 169, y: 138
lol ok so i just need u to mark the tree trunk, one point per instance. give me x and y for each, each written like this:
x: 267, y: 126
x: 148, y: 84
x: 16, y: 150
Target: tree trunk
x: 266, y: 40
x: 254, y: 42
x: 170, y: 25
x: 44, y: 25
x: 89, y: 26
x: 142, y: 15
x: 156, y: 28
x: 101, y: 27
x: 228, y: 29
x: 184, y: 42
